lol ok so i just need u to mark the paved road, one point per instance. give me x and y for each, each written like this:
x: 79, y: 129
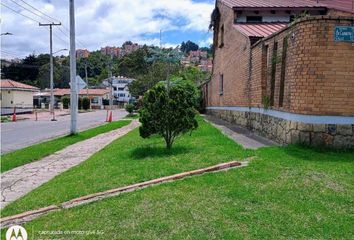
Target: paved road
x: 16, y: 135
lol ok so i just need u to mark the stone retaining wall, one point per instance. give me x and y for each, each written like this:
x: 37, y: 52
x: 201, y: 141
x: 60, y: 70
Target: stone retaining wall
x: 289, y: 132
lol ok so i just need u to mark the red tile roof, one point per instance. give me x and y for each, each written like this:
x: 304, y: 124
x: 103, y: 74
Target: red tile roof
x: 272, y: 3
x: 259, y: 29
x: 66, y: 91
x: 344, y: 5
x: 11, y: 84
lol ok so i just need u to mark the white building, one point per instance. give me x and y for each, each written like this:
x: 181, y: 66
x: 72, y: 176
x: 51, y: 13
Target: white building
x: 120, y: 86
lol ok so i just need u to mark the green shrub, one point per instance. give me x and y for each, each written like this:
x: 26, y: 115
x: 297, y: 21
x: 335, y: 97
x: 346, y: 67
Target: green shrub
x: 129, y: 108
x: 86, y: 103
x: 169, y: 113
x: 66, y: 102
x: 80, y: 103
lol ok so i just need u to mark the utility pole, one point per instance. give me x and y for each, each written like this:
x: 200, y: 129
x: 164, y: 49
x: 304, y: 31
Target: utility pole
x: 111, y: 83
x: 51, y: 65
x: 73, y: 86
x: 160, y: 38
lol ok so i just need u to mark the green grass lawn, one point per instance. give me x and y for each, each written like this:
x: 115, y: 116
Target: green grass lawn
x: 131, y: 159
x: 289, y: 192
x: 132, y: 116
x: 40, y: 150
x: 285, y: 193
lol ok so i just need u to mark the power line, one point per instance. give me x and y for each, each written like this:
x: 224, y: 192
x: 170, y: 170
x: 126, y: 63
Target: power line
x: 66, y: 34
x: 19, y: 13
x: 57, y: 36
x: 7, y: 51
x: 67, y: 30
x: 40, y: 11
x: 29, y: 10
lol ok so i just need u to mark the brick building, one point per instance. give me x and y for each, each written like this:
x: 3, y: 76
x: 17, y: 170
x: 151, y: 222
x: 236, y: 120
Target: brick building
x: 111, y: 51
x: 285, y: 69
x: 82, y: 53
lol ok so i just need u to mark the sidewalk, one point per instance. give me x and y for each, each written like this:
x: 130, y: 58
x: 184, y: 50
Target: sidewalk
x: 20, y: 181
x: 43, y: 115
x: 242, y: 136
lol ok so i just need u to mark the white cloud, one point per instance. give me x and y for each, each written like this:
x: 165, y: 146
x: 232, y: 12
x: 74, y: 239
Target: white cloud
x: 104, y: 22
x: 206, y: 43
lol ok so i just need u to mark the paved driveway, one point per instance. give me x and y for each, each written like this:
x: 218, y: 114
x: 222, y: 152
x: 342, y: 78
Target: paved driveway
x: 16, y: 135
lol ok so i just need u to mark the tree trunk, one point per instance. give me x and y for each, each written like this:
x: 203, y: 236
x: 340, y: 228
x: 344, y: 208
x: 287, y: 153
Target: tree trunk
x: 168, y: 140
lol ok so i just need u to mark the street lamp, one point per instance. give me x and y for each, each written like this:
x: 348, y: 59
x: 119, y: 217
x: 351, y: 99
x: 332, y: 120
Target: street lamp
x: 7, y: 33
x: 64, y: 49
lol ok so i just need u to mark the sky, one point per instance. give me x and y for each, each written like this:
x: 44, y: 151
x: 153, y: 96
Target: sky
x: 103, y: 23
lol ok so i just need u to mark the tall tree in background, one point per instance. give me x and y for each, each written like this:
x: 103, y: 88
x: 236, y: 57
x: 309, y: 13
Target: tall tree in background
x: 188, y: 46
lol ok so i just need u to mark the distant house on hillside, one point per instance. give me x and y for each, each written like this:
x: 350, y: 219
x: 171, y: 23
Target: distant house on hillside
x: 82, y: 53
x: 111, y: 51
x: 285, y: 69
x: 16, y: 94
x: 120, y: 87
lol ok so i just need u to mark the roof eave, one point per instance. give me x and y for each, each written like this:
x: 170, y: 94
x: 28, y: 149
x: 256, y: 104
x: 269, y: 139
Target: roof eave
x: 20, y: 89
x: 279, y: 8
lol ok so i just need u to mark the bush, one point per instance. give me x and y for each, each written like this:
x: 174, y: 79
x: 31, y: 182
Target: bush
x: 66, y: 102
x: 169, y: 114
x: 80, y: 103
x: 86, y: 103
x: 129, y: 108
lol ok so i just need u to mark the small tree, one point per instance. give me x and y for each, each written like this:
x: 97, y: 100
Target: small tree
x: 129, y: 108
x: 85, y: 103
x: 169, y: 111
x: 66, y: 102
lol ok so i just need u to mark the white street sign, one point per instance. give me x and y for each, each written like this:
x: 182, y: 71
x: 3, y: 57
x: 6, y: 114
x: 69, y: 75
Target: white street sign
x: 81, y: 84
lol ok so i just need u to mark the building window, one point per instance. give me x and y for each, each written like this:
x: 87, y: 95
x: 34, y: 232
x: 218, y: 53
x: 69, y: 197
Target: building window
x: 221, y: 87
x: 282, y: 73
x: 273, y: 72
x: 94, y: 100
x: 254, y: 19
x: 222, y: 31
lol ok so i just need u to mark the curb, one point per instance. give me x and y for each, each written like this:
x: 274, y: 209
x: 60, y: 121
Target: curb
x: 30, y: 215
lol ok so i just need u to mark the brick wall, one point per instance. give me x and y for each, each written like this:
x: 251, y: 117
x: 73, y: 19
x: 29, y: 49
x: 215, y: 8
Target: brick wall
x: 320, y: 71
x: 318, y: 74
x: 232, y: 60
